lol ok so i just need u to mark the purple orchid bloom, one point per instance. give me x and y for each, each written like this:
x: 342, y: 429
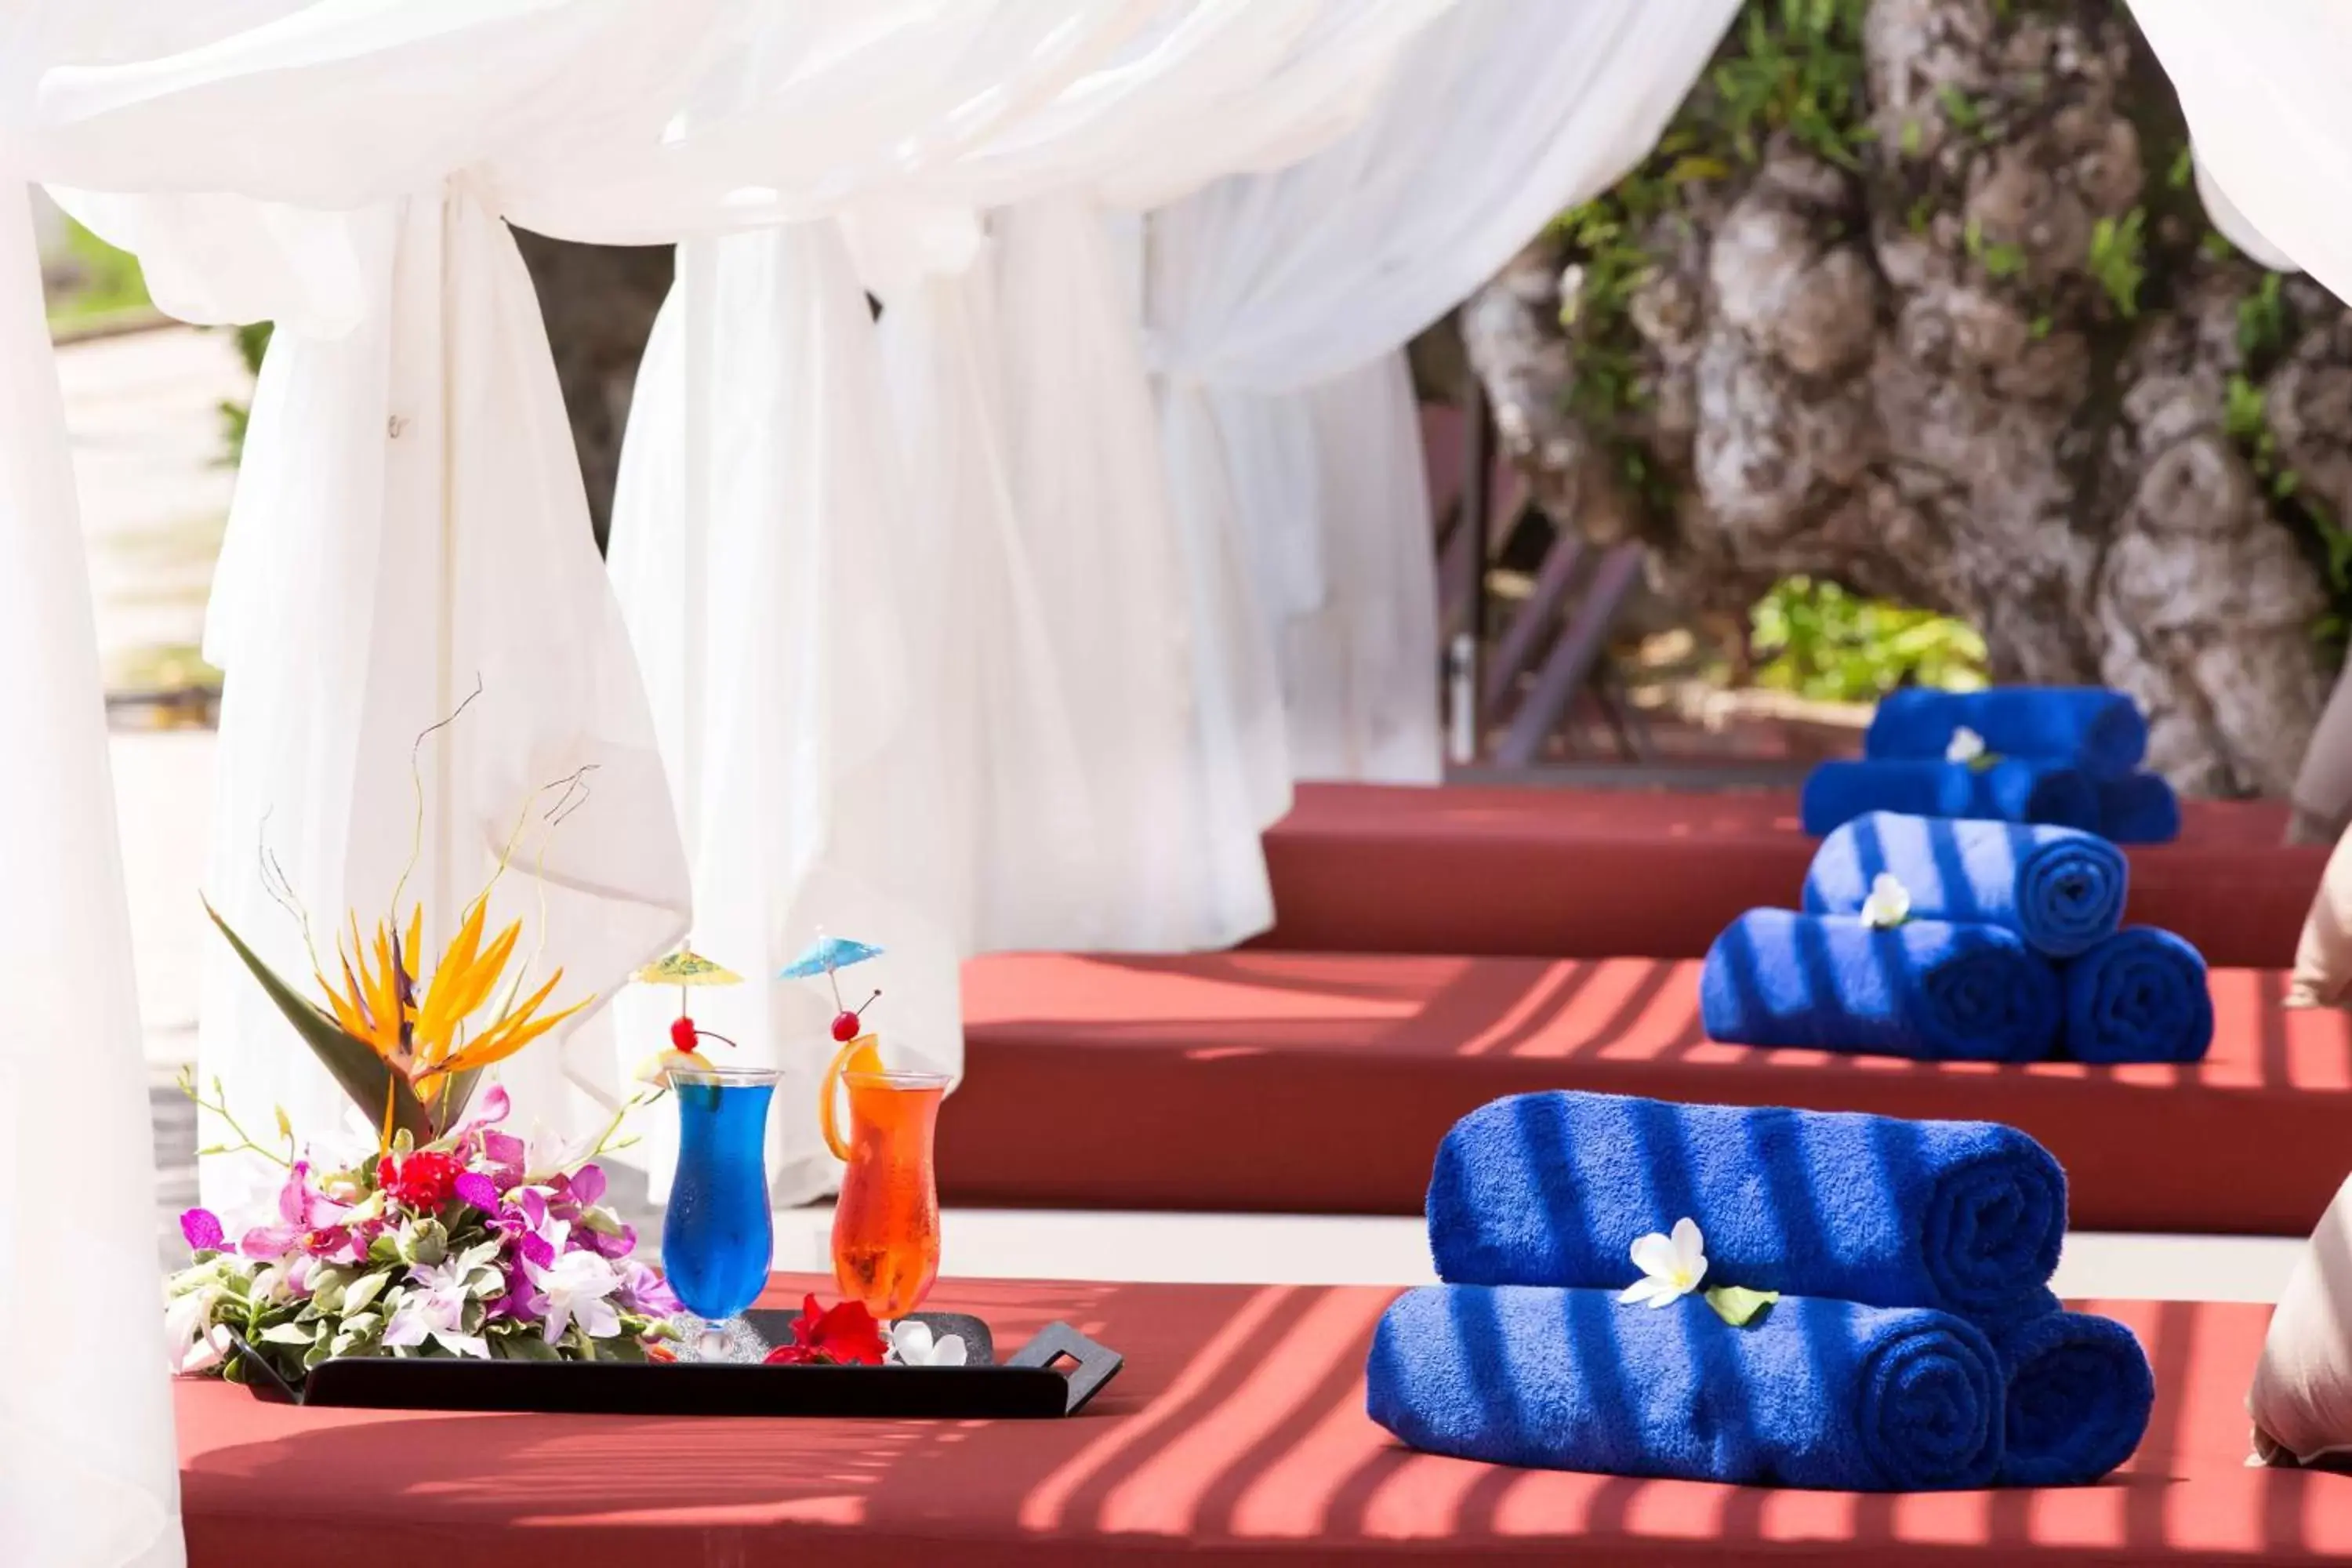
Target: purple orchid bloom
x: 522, y: 1303
x: 586, y: 1186
x: 603, y: 1244
x: 202, y: 1230
x: 479, y: 1190
x: 503, y: 1159
x: 644, y: 1291
x: 306, y: 1222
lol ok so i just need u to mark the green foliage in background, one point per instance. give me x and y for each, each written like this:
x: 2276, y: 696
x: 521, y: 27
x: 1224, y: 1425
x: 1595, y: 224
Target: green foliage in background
x: 108, y: 282
x: 252, y: 343
x: 1823, y: 643
x: 2264, y: 326
x: 1792, y: 66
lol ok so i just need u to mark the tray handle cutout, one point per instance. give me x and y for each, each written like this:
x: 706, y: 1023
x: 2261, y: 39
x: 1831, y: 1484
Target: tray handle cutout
x: 1092, y: 1364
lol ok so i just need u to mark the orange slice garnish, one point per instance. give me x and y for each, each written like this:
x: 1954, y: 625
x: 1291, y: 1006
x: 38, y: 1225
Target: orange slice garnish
x: 861, y: 1055
x: 655, y: 1069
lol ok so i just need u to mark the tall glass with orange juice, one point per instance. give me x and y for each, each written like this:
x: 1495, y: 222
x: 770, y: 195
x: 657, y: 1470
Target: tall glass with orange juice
x: 885, y: 1224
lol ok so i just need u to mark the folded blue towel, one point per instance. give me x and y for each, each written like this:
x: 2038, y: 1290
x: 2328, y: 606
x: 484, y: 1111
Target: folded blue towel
x: 2060, y: 889
x: 2011, y: 791
x: 2098, y: 730
x: 1815, y: 1393
x: 2138, y: 996
x: 2079, y: 1392
x: 1555, y: 1188
x: 2141, y: 809
x: 1925, y: 989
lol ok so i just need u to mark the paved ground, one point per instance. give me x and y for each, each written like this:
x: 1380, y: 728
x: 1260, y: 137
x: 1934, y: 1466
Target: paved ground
x: 144, y: 414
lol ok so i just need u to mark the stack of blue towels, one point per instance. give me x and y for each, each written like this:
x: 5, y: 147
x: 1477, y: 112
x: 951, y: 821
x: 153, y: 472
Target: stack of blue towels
x: 2011, y: 949
x: 2063, y: 754
x: 1915, y: 1344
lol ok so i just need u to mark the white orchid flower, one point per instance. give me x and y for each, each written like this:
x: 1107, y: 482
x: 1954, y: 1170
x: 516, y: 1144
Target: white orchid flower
x: 1889, y: 903
x: 1966, y: 746
x: 190, y: 1343
x: 578, y: 1289
x: 433, y: 1306
x: 911, y: 1344
x: 1671, y: 1266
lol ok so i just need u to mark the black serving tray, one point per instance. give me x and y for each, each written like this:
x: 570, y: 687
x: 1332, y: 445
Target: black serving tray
x: 1028, y: 1385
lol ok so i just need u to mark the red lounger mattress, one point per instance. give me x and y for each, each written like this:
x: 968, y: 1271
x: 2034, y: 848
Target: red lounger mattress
x: 1562, y: 873
x: 1236, y: 1434
x: 1320, y: 1084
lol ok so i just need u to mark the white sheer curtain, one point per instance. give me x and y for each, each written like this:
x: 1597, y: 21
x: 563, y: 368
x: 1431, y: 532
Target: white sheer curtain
x: 1279, y: 303
x: 1161, y: 652
x: 795, y: 586
x: 89, y: 1472
x: 807, y: 754
x: 88, y: 1464
x: 409, y: 526
x: 1044, y: 738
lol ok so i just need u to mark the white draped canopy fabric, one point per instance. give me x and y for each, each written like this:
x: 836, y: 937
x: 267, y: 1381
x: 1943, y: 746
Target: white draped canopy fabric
x: 1015, y: 632
x: 2262, y: 90
x: 1279, y: 301
x: 89, y: 1472
x: 409, y: 536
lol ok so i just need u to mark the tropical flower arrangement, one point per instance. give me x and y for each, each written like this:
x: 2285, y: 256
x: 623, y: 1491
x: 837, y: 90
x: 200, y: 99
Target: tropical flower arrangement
x: 455, y: 1238
x: 477, y: 1244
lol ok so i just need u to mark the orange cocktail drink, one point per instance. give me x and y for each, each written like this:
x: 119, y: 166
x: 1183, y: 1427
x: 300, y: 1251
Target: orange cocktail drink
x: 885, y: 1224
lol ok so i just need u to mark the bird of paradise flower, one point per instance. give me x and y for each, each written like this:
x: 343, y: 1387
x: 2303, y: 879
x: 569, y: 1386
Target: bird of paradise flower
x: 405, y: 1043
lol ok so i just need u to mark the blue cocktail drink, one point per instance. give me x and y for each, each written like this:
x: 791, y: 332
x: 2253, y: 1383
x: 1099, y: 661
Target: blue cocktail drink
x: 716, y: 1238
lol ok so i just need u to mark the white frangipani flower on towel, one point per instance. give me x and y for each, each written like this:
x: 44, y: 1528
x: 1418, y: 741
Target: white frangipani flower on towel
x: 1966, y: 746
x: 1671, y: 1266
x: 1889, y: 903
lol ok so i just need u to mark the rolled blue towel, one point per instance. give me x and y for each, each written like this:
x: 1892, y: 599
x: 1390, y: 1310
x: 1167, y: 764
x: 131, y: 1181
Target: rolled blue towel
x: 1815, y: 1393
x: 2141, y: 809
x: 2014, y: 790
x: 1555, y: 1188
x: 2139, y: 997
x: 2099, y: 731
x: 2079, y: 1395
x: 2059, y: 887
x: 1926, y: 989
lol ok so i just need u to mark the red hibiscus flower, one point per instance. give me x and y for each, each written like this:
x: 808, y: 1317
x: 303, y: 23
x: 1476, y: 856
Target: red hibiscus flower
x: 424, y: 1181
x: 845, y: 1335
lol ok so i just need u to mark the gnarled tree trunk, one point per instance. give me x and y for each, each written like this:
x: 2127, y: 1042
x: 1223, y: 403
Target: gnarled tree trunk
x: 1939, y: 377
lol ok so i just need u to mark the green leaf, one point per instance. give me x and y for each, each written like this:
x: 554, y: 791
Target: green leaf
x: 524, y: 1347
x: 1699, y: 167
x: 1738, y: 1305
x: 286, y: 1334
x: 363, y: 1291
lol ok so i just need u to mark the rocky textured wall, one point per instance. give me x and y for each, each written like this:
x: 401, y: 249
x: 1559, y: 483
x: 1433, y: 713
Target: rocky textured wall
x: 1977, y: 349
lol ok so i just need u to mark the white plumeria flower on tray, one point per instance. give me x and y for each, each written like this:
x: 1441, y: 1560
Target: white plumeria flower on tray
x: 911, y: 1344
x: 1889, y: 903
x: 1671, y: 1266
x: 1966, y: 746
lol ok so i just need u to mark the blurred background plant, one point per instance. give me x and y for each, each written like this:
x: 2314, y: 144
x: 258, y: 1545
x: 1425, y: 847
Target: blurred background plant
x: 252, y: 343
x: 1817, y: 640
x: 91, y: 284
